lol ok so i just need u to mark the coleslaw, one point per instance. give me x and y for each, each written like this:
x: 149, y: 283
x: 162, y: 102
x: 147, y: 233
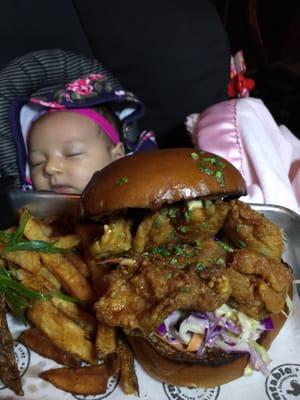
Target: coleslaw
x: 225, y: 329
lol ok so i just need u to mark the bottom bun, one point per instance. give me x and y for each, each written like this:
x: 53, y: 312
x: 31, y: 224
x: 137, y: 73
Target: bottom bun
x: 190, y: 373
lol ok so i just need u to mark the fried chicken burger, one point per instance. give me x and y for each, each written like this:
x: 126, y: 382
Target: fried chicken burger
x: 195, y: 277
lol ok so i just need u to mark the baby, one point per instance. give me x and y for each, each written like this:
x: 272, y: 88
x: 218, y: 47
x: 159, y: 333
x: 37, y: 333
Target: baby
x: 75, y: 131
x: 66, y: 147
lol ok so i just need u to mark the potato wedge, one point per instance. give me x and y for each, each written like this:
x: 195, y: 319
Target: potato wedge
x: 38, y: 230
x: 106, y: 341
x: 85, y: 320
x: 34, y: 281
x: 46, y: 275
x: 35, y: 229
x: 9, y: 373
x: 128, y: 379
x: 27, y: 260
x: 78, y: 262
x: 90, y: 380
x: 70, y: 278
x: 64, y: 332
x: 41, y: 344
x: 65, y: 242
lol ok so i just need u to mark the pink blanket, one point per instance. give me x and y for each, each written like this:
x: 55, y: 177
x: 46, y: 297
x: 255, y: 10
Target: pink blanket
x: 244, y: 132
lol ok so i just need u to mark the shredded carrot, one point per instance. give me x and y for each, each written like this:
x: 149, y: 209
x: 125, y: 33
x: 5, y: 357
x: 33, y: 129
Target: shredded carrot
x: 195, y: 342
x: 193, y: 345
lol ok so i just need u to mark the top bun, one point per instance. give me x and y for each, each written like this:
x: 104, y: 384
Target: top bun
x: 153, y: 178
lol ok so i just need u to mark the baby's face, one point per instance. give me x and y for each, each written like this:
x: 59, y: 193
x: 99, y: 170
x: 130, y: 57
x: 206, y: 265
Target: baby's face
x: 65, y: 149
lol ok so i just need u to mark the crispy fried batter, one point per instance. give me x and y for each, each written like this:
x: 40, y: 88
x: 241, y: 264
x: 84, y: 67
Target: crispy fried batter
x: 202, y: 222
x: 142, y: 297
x: 116, y: 239
x: 259, y: 284
x: 247, y: 228
x: 174, y: 224
x: 155, y: 230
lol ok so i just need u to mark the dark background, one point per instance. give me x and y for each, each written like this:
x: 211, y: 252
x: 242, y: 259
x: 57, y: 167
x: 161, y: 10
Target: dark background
x: 267, y: 31
x: 269, y: 34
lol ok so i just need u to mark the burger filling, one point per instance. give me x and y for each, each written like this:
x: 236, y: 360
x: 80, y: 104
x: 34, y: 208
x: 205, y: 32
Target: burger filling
x: 199, y: 274
x: 225, y: 329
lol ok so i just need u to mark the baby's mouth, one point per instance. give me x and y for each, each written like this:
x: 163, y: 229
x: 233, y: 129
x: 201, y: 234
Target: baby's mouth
x: 63, y: 189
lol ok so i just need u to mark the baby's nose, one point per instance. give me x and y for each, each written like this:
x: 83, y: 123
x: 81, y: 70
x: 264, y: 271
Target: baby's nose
x: 53, y: 166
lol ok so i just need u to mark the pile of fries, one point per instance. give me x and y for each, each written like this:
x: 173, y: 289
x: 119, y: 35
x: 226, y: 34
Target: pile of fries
x: 46, y: 257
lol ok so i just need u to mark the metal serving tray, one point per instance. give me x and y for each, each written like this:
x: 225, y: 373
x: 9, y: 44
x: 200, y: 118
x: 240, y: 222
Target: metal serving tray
x: 44, y: 204
x: 284, y: 368
x: 40, y: 204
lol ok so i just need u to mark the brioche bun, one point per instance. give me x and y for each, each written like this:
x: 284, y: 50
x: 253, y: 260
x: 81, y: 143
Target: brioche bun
x: 189, y: 373
x: 153, y: 178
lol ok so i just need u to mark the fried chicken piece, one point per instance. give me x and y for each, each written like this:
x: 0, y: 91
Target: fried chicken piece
x: 188, y: 223
x: 9, y: 373
x: 203, y: 255
x: 259, y: 284
x: 211, y: 253
x: 248, y: 228
x: 141, y: 298
x: 203, y: 220
x: 115, y: 240
x: 154, y: 230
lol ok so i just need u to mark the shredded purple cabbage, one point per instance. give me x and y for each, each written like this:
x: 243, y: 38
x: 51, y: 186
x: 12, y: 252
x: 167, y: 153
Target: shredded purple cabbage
x: 219, y: 331
x: 267, y: 324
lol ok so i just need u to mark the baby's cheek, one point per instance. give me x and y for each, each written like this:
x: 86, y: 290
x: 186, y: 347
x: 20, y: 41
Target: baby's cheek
x: 81, y: 176
x: 39, y: 182
x: 83, y: 171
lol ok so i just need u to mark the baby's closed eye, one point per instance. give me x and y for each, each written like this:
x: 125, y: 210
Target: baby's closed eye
x: 36, y: 163
x: 74, y: 154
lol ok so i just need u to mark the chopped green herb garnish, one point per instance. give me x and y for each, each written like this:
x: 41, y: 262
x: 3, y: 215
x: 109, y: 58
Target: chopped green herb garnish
x: 264, y: 253
x: 172, y: 212
x: 242, y: 244
x: 18, y: 296
x: 238, y: 227
x: 219, y: 177
x: 178, y: 250
x: 200, y: 267
x: 13, y: 241
x: 220, y: 261
x: 184, y: 290
x: 225, y: 246
x: 169, y: 275
x: 5, y: 236
x: 206, y: 170
x: 214, y: 161
x: 157, y: 222
x: 18, y: 234
x: 198, y: 243
x: 13, y: 238
x: 160, y: 251
x: 173, y: 261
x: 33, y: 245
x: 195, y: 156
x: 187, y: 215
x: 122, y: 181
x: 207, y: 203
x: 183, y: 229
x: 205, y: 224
